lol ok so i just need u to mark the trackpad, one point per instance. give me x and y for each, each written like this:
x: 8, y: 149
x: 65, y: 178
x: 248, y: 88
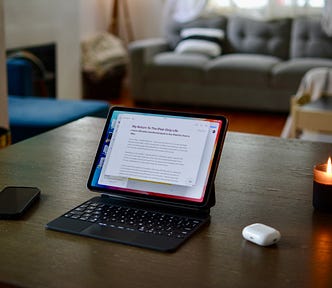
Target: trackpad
x: 108, y: 233
x: 135, y: 238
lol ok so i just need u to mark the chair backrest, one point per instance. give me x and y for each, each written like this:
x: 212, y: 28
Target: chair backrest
x: 19, y: 74
x: 26, y: 74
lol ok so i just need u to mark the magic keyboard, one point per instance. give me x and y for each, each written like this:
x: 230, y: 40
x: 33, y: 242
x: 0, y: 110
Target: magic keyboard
x: 133, y: 219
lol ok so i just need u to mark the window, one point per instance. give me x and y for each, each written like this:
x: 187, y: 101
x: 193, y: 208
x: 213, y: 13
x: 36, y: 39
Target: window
x: 250, y: 4
x: 266, y: 8
x: 302, y: 3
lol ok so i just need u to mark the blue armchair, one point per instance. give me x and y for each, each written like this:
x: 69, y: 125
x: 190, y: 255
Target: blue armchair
x: 30, y: 115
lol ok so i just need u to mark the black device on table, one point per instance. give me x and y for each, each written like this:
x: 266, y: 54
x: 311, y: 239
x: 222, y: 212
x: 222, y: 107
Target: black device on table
x: 155, y: 171
x: 16, y: 200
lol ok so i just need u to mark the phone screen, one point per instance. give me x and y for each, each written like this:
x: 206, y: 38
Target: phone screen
x: 15, y: 200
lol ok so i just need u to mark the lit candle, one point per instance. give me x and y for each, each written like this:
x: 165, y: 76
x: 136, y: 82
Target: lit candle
x: 323, y: 173
x: 322, y: 192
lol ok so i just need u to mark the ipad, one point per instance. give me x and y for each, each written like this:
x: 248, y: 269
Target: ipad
x: 159, y: 156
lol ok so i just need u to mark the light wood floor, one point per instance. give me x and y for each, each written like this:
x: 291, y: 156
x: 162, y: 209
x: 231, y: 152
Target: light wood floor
x: 240, y: 121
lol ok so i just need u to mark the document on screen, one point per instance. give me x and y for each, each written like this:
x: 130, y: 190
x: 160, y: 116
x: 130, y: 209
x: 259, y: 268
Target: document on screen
x: 163, y: 149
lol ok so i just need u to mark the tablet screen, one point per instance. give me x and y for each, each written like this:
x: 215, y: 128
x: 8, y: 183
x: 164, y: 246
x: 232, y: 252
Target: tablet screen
x: 157, y: 154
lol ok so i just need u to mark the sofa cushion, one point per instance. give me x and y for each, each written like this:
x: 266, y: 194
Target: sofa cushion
x: 241, y: 69
x: 173, y: 28
x: 170, y: 66
x: 259, y: 37
x: 309, y: 40
x: 206, y: 41
x: 198, y: 47
x: 288, y: 74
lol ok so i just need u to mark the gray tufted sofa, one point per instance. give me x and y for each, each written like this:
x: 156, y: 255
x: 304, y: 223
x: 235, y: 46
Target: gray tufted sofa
x: 260, y: 68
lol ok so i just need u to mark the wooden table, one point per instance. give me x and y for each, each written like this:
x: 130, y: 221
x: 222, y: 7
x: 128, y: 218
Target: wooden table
x: 260, y: 179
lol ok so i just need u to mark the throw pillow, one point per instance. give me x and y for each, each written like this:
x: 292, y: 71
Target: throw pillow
x: 205, y: 41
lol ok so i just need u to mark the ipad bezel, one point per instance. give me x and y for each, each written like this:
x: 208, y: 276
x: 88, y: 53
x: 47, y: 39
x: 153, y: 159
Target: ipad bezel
x: 209, y: 196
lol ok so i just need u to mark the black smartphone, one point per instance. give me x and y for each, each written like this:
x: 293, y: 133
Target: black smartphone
x: 14, y: 201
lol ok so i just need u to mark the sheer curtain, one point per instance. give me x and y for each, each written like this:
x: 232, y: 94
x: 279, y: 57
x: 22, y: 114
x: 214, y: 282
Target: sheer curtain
x: 266, y: 9
x: 184, y: 10
x: 327, y: 17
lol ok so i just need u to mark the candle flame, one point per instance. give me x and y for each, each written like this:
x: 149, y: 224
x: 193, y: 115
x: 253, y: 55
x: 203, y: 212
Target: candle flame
x: 329, y: 166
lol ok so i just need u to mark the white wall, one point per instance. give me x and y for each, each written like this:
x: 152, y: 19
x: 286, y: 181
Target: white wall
x: 94, y: 17
x: 67, y: 22
x: 37, y: 22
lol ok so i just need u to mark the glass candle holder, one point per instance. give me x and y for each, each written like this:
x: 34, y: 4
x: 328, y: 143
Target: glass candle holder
x: 322, y: 187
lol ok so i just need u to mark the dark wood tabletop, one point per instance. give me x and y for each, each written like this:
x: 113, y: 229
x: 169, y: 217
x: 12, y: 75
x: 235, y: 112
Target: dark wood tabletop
x: 260, y: 179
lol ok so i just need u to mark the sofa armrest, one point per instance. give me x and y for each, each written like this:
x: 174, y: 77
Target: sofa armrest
x: 144, y: 50
x: 141, y: 53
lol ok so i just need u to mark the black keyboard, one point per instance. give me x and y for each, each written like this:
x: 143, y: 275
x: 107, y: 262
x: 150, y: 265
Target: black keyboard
x: 134, y: 219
